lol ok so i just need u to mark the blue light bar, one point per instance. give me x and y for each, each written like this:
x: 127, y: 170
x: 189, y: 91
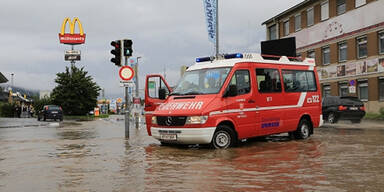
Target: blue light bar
x: 235, y: 55
x: 203, y: 59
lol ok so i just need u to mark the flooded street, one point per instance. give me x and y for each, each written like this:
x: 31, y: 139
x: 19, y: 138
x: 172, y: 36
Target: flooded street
x: 94, y: 156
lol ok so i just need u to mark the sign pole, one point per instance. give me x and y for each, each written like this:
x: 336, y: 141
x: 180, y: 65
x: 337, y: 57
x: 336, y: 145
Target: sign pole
x: 137, y: 91
x: 126, y: 107
x: 217, y: 29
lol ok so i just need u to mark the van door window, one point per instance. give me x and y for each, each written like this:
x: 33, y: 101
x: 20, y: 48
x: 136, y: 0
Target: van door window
x: 268, y: 80
x: 242, y: 81
x: 154, y: 86
x: 299, y: 81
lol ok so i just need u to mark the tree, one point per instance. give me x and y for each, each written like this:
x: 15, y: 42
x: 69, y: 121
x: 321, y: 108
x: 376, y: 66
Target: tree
x: 76, y: 93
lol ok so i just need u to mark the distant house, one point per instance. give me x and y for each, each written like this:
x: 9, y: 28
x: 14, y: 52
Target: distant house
x: 3, y: 79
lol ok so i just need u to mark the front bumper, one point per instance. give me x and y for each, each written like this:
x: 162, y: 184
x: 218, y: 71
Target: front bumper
x: 185, y: 135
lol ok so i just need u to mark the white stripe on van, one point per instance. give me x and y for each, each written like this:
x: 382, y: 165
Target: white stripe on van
x: 299, y: 104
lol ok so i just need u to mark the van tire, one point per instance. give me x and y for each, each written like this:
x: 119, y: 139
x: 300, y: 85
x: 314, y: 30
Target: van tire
x: 303, y: 130
x: 223, y: 137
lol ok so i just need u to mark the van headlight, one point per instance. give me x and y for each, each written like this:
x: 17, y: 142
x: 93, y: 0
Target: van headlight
x: 154, y: 120
x: 196, y: 119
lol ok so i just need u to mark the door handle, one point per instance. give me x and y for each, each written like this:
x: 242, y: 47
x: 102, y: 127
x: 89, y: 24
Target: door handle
x: 251, y: 101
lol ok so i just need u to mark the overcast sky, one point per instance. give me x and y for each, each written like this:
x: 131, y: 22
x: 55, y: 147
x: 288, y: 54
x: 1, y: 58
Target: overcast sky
x: 165, y: 33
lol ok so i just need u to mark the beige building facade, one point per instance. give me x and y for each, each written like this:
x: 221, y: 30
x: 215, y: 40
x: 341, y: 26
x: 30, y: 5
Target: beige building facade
x: 346, y: 38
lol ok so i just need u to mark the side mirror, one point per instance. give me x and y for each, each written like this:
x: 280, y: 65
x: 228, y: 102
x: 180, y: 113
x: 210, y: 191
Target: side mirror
x: 162, y: 93
x: 231, y: 92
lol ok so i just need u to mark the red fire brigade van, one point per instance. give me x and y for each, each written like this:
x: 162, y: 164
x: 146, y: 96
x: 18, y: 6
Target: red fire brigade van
x: 220, y: 102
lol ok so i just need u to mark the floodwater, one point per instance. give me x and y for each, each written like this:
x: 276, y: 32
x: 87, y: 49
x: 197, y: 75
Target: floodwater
x: 94, y: 156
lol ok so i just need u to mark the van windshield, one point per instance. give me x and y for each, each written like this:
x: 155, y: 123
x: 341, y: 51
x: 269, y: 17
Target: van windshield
x: 202, y: 81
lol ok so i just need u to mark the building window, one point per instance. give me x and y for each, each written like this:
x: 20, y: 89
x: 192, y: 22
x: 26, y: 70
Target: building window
x: 297, y: 22
x: 342, y: 51
x: 381, y: 88
x: 359, y: 3
x: 326, y: 90
x: 324, y: 10
x: 310, y: 17
x: 381, y: 42
x: 311, y: 54
x: 340, y: 7
x: 272, y: 32
x: 286, y: 28
x: 343, y: 89
x: 362, y: 51
x: 326, y: 56
x: 363, y: 90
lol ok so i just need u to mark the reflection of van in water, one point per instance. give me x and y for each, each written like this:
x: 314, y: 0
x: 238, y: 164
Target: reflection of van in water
x: 220, y: 102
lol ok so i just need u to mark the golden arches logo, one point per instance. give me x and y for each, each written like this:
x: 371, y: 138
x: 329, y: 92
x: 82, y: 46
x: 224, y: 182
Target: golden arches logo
x: 71, y: 37
x: 72, y: 26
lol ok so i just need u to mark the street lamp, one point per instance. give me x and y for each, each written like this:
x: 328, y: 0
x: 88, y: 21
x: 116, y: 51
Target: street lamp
x: 12, y: 79
x: 137, y: 90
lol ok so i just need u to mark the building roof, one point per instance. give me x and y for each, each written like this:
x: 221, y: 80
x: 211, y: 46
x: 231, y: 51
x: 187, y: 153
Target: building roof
x: 3, y: 79
x: 302, y: 4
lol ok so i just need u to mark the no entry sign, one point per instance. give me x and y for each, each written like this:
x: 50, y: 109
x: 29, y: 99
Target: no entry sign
x: 126, y: 73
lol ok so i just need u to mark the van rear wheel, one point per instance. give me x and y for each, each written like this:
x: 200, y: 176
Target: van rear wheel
x: 223, y: 137
x: 303, y: 130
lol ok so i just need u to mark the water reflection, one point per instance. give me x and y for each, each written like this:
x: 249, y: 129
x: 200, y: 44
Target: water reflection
x: 74, y: 134
x: 271, y: 166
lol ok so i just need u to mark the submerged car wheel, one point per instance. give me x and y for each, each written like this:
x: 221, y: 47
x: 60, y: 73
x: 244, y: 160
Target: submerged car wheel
x: 332, y: 118
x: 303, y: 130
x: 223, y: 137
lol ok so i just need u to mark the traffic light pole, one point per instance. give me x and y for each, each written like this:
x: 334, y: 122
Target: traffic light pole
x: 127, y: 112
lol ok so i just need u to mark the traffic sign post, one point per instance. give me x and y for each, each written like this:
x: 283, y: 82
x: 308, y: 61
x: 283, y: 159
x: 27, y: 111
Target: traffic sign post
x: 126, y: 74
x: 123, y: 48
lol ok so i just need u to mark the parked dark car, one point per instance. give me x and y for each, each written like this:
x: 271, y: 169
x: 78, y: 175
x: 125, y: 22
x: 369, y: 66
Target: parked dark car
x: 50, y: 112
x: 342, y: 108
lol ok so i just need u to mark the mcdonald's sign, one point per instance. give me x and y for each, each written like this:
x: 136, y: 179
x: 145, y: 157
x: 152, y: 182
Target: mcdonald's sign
x: 72, y: 38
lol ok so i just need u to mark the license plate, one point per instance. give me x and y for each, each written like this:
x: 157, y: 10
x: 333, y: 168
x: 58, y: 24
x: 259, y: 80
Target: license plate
x: 168, y: 137
x: 353, y: 108
x: 54, y: 111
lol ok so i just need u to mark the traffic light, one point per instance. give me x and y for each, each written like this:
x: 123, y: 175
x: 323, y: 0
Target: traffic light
x: 127, y: 47
x: 116, y: 52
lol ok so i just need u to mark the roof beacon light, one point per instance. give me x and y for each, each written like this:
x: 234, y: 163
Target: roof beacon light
x: 203, y: 59
x: 235, y: 55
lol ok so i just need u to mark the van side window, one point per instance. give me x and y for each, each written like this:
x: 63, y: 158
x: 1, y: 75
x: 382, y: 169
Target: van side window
x: 268, y: 80
x: 242, y: 81
x: 299, y: 81
x: 154, y: 85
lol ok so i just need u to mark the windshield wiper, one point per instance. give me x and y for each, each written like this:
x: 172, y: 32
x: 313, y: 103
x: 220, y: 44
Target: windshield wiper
x: 175, y: 93
x: 192, y: 93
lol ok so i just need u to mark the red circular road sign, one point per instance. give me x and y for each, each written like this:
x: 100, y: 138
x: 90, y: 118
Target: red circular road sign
x: 126, y: 73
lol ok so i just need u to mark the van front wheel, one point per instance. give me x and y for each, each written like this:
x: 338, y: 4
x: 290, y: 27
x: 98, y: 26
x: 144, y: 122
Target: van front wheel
x: 223, y: 137
x: 303, y: 130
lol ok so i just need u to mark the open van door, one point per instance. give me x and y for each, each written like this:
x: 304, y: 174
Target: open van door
x: 156, y: 92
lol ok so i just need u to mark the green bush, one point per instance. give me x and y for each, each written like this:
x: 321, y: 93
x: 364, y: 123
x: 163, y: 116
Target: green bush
x: 382, y: 111
x: 7, y: 109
